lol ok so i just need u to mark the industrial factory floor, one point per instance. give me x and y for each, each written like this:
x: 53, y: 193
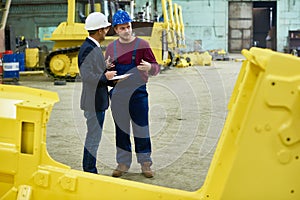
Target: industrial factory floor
x: 187, y: 114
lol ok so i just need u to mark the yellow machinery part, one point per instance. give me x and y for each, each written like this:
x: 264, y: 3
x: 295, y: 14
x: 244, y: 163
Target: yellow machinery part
x: 258, y: 152
x: 257, y: 156
x: 199, y: 59
x: 178, y: 44
x: 28, y: 172
x: 181, y: 61
x: 63, y: 65
x: 156, y: 44
x: 68, y: 39
x: 97, y: 7
x: 165, y: 39
x: 32, y: 57
x: 60, y: 64
x: 172, y: 38
x: 70, y: 34
x: 74, y: 70
x: 66, y: 36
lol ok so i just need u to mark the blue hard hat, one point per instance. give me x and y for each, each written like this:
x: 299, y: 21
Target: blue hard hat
x: 121, y: 17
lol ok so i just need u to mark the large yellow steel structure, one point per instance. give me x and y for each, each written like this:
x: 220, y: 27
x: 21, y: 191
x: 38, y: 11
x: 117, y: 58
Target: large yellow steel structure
x: 257, y: 156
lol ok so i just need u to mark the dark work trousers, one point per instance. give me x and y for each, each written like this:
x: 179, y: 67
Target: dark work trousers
x: 94, y: 122
x: 129, y: 105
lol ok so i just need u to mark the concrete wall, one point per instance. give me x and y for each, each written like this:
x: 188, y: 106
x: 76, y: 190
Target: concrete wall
x: 288, y: 19
x: 206, y: 21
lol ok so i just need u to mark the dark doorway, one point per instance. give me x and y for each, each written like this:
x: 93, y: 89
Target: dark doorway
x: 264, y: 24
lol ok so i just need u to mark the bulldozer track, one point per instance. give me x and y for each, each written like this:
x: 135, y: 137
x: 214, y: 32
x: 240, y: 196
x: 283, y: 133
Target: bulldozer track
x: 64, y: 51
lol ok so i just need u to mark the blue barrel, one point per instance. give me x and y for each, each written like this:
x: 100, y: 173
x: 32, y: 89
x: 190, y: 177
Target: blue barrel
x: 10, y: 66
x: 21, y: 60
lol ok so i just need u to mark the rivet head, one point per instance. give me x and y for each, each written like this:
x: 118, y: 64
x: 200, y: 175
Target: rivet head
x: 257, y: 129
x: 268, y: 127
x: 284, y: 156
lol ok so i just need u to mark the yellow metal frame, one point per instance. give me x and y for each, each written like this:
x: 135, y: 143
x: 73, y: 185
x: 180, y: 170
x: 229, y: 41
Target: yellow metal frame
x: 258, y: 151
x: 257, y: 156
x: 177, y: 25
x: 172, y: 38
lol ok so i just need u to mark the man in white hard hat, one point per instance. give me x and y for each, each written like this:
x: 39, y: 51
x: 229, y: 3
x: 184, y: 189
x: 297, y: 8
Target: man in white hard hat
x: 94, y: 97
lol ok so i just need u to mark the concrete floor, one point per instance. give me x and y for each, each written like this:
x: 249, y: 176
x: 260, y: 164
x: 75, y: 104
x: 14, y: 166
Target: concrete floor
x: 187, y: 113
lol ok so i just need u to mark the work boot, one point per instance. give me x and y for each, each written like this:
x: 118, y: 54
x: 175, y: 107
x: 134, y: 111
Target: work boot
x: 146, y: 170
x: 120, y: 170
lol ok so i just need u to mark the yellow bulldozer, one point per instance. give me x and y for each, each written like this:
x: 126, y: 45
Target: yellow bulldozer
x: 61, y: 63
x: 257, y: 156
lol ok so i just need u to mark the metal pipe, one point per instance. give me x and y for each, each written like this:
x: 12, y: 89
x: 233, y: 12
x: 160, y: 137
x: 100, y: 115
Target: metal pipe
x: 106, y: 12
x: 5, y: 14
x: 148, y: 7
x: 71, y: 12
x: 165, y: 13
x: 132, y: 9
x: 92, y: 6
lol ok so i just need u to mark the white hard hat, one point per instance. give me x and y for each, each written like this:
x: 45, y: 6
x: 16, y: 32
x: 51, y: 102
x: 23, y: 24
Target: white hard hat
x: 95, y: 21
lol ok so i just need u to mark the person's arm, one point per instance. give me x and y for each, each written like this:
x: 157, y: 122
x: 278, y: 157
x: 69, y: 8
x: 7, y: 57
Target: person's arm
x: 155, y: 69
x: 110, y: 65
x: 151, y: 68
x: 106, y: 76
x: 148, y: 63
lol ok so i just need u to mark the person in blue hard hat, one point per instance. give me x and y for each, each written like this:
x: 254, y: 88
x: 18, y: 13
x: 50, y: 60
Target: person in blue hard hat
x: 94, y: 96
x: 132, y: 56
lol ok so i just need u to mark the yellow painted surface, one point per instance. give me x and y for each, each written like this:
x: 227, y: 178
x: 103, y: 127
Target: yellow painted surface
x: 258, y: 152
x: 32, y: 57
x: 257, y: 156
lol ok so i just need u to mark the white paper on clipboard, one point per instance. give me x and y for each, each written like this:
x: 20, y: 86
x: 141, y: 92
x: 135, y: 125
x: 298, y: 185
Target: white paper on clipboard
x: 120, y: 77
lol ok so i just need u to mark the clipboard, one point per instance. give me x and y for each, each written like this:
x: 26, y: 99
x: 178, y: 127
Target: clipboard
x: 118, y: 77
